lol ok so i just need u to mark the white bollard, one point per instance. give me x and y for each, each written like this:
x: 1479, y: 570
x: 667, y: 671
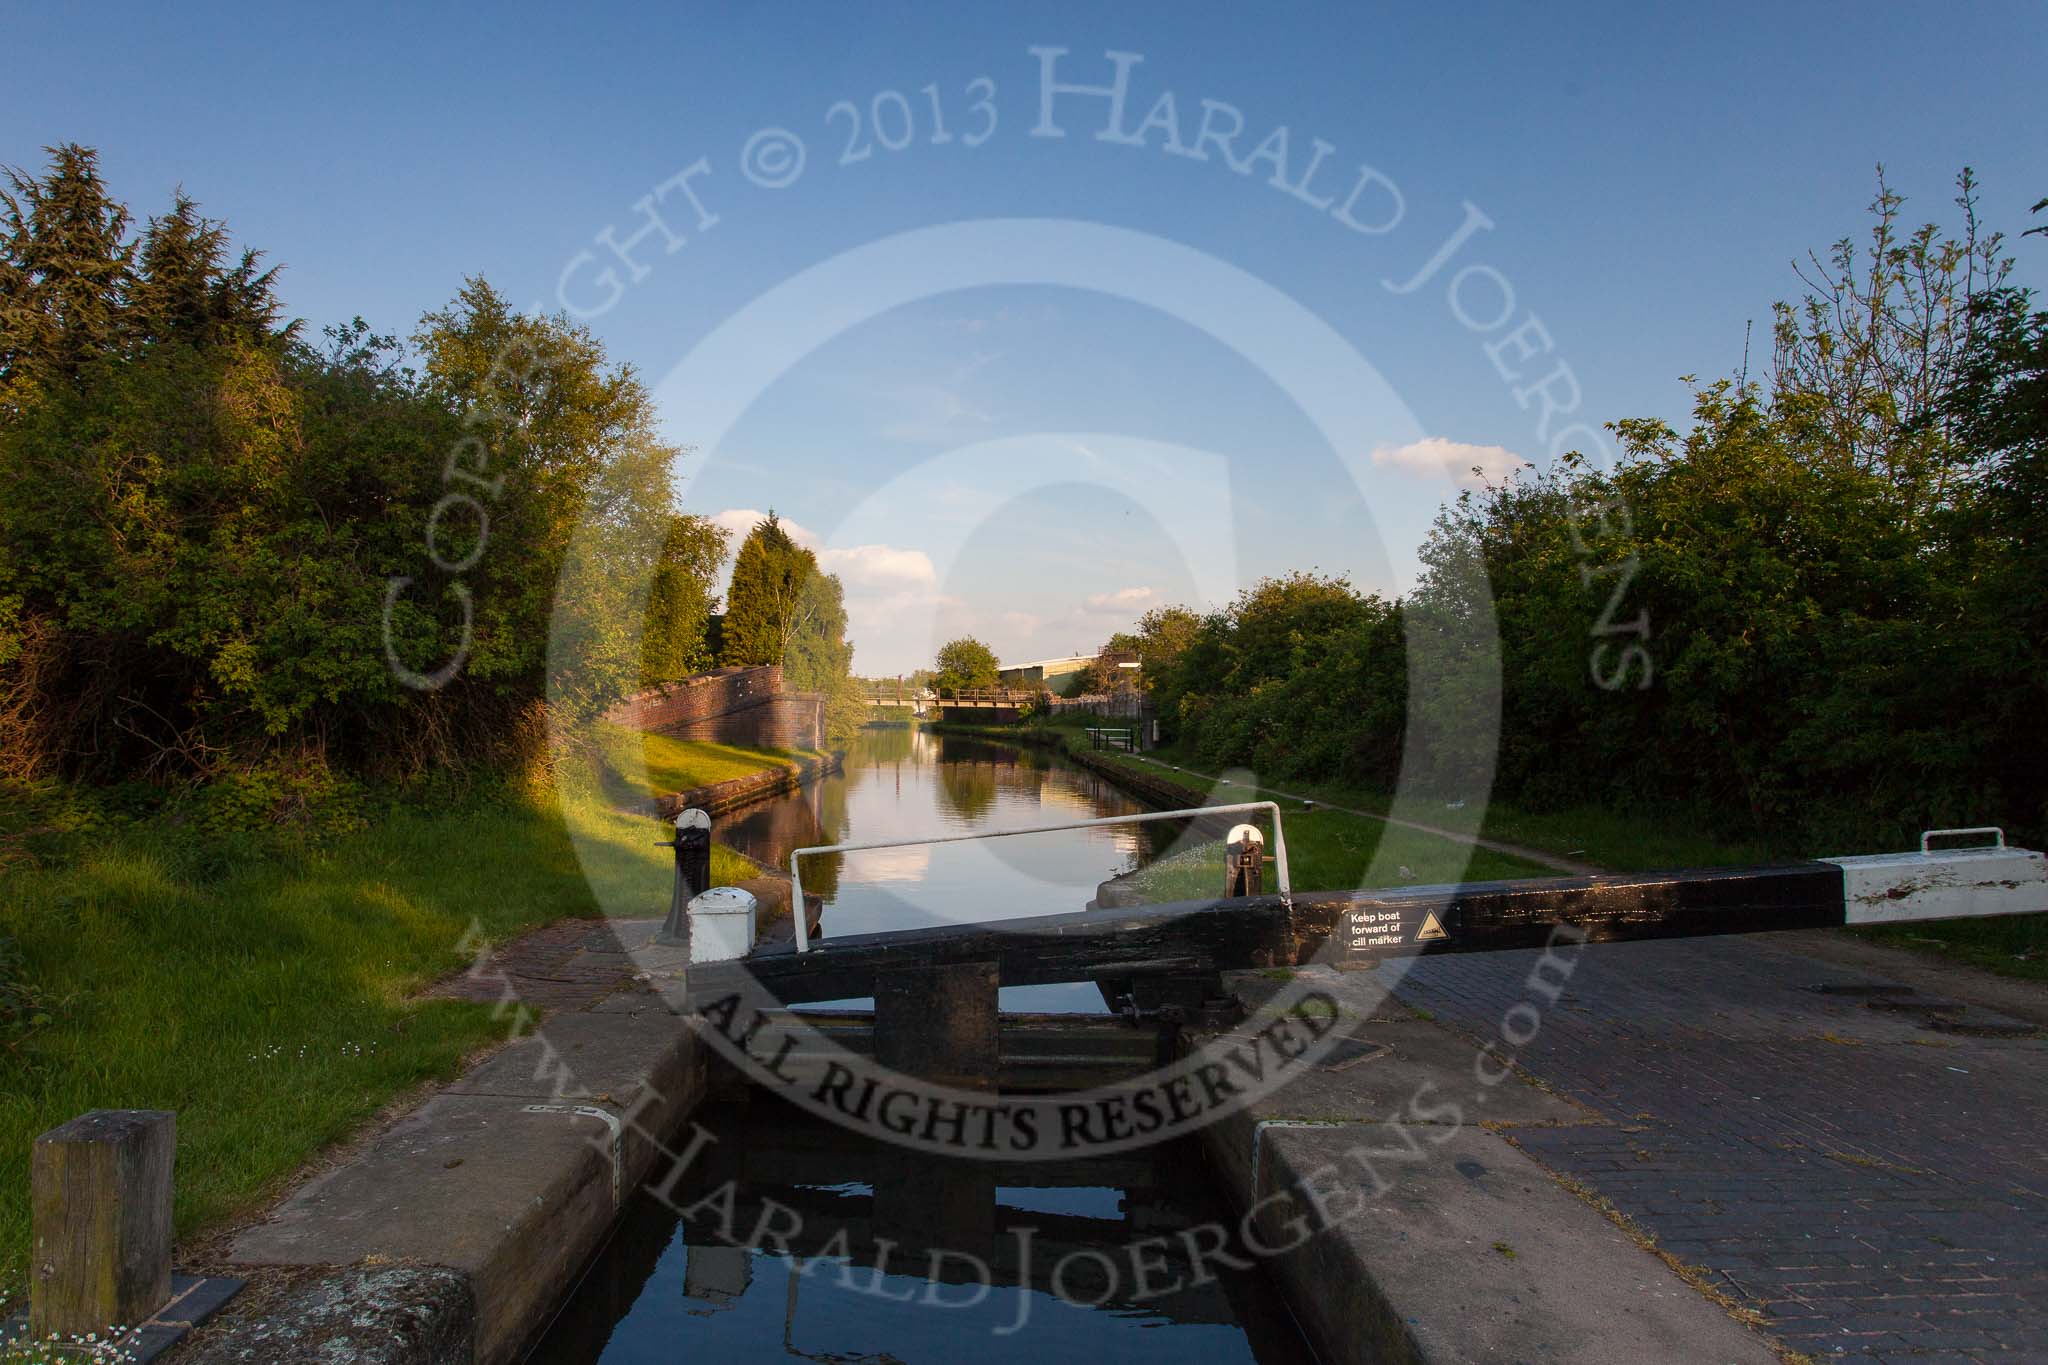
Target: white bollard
x: 722, y: 924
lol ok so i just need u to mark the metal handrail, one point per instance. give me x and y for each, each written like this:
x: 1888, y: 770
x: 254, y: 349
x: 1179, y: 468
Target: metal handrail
x: 1928, y: 835
x: 800, y: 915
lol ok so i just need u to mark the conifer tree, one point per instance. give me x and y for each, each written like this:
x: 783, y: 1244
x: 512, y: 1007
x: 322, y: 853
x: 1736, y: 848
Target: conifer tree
x: 770, y: 599
x: 184, y: 291
x: 66, y: 272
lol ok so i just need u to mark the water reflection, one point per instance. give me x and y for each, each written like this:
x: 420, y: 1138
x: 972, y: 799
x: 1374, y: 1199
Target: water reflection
x: 886, y: 1255
x: 904, y: 783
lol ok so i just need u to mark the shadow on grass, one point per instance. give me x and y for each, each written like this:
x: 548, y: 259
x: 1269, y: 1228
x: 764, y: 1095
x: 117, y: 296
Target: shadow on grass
x: 268, y: 993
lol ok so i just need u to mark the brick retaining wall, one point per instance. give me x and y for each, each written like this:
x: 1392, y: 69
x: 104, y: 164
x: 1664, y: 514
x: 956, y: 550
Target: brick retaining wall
x: 744, y: 706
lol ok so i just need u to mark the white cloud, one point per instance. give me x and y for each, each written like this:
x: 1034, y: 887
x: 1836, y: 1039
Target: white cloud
x: 1123, y: 599
x: 880, y: 569
x: 740, y: 520
x: 1437, y: 455
x: 864, y: 570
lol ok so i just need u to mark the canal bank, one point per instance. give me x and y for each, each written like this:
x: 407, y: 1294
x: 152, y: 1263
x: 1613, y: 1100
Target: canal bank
x: 509, y: 1180
x: 735, y: 793
x: 1161, y: 791
x: 458, y: 1230
x: 512, y: 1178
x: 454, y: 1230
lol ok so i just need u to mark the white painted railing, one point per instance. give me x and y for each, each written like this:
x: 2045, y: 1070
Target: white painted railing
x: 796, y: 900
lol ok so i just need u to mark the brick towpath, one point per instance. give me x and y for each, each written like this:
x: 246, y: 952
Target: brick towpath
x: 1863, y: 1166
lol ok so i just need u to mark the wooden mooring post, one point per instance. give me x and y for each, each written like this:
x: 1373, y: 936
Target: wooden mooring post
x: 100, y: 1200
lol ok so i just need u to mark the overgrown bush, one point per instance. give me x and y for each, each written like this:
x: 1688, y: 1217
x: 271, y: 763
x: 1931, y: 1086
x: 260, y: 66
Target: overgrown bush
x: 1815, y: 618
x: 218, y: 538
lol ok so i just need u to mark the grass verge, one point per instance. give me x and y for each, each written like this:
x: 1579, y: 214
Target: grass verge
x: 2011, y: 945
x: 264, y: 987
x: 676, y: 765
x: 1331, y: 851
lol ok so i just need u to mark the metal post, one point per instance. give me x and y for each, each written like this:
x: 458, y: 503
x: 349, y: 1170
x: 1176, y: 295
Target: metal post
x: 693, y: 871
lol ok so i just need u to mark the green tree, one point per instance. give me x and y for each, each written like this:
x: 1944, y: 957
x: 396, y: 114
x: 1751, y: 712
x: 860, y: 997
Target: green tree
x: 201, y: 515
x: 1163, y: 633
x: 819, y: 657
x: 1998, y: 615
x: 680, y: 599
x: 65, y: 268
x: 561, y: 447
x: 1301, y: 675
x: 964, y: 663
x: 183, y: 290
x: 781, y: 608
x: 1877, y: 338
x: 771, y: 598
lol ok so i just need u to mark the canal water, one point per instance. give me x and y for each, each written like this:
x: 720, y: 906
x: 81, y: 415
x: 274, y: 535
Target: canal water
x: 908, y: 783
x: 883, y: 1255
x: 790, y: 1238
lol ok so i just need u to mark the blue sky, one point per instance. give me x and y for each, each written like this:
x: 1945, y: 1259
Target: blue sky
x: 1035, y: 458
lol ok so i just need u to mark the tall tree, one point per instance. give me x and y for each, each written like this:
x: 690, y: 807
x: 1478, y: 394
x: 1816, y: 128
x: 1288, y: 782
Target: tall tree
x: 680, y: 599
x: 564, y: 448
x: 184, y: 291
x: 819, y: 657
x: 1998, y: 610
x: 781, y: 608
x: 1875, y: 342
x: 65, y: 268
x: 1163, y: 632
x: 771, y: 599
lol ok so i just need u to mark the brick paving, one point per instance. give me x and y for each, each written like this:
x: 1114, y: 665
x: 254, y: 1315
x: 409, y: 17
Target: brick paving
x: 1875, y: 1186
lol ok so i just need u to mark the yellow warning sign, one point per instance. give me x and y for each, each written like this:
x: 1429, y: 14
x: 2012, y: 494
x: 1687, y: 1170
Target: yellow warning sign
x: 1432, y: 928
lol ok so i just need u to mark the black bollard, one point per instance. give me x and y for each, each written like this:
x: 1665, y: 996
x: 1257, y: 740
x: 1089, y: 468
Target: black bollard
x: 693, y: 871
x: 1244, y: 859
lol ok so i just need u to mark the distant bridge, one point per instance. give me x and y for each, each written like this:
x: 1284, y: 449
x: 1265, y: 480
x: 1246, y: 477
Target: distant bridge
x: 997, y: 704
x: 917, y: 703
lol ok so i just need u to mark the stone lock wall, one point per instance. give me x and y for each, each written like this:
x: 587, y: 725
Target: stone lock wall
x: 744, y: 706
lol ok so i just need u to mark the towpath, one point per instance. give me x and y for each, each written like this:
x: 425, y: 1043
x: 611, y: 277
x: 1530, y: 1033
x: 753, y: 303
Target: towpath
x: 1522, y: 851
